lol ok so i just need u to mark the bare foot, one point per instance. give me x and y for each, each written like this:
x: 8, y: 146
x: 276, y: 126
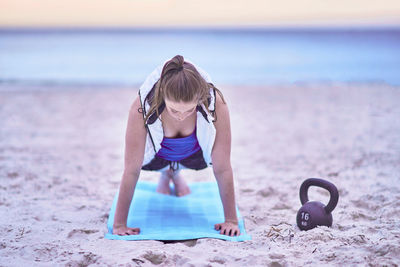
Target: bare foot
x: 181, y: 188
x: 163, y: 184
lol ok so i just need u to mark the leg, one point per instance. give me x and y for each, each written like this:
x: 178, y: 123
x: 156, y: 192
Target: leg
x: 163, y: 184
x: 181, y: 188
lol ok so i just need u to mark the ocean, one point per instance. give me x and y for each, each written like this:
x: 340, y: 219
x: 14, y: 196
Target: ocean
x: 125, y: 56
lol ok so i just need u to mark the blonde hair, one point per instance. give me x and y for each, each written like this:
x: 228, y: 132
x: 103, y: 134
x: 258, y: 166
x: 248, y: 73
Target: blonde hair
x: 180, y: 82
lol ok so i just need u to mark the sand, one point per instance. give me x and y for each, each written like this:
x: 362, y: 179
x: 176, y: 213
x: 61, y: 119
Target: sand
x: 61, y: 161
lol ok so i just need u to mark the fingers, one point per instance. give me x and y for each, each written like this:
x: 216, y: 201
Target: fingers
x: 231, y: 232
x: 235, y: 232
x: 227, y: 230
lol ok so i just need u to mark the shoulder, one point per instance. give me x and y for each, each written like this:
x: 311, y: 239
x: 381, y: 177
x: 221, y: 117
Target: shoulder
x: 135, y: 112
x: 218, y: 99
x: 135, y: 106
x: 221, y: 112
x: 222, y: 143
x: 220, y: 103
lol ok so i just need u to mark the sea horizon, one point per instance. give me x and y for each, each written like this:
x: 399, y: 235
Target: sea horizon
x: 124, y: 56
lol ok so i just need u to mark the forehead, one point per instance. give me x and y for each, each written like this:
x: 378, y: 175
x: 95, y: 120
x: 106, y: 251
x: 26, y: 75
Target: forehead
x: 180, y: 106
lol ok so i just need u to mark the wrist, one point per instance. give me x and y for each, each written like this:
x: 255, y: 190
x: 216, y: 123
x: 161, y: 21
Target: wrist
x: 117, y: 225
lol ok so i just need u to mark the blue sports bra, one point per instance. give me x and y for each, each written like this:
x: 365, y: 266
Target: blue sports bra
x: 176, y: 149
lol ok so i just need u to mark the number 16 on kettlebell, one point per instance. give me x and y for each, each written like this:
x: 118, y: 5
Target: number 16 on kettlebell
x: 314, y: 213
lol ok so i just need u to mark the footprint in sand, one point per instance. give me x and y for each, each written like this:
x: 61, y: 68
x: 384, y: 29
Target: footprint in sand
x: 80, y: 233
x: 39, y: 252
x: 276, y: 264
x: 356, y: 215
x: 104, y: 217
x: 3, y: 202
x: 56, y: 180
x: 275, y: 256
x: 266, y: 192
x: 3, y: 245
x: 154, y: 257
x: 281, y: 206
x: 246, y: 190
x: 12, y: 175
x: 218, y: 259
x: 365, y: 205
x: 88, y: 258
x: 180, y: 261
x: 30, y: 176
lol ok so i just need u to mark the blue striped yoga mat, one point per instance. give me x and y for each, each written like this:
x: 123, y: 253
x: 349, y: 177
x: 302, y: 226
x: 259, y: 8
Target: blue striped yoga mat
x: 167, y: 217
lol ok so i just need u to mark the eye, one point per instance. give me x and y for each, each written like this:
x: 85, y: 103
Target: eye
x: 174, y: 111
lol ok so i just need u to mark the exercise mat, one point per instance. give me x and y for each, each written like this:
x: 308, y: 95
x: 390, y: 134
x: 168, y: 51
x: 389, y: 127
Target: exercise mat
x: 167, y: 217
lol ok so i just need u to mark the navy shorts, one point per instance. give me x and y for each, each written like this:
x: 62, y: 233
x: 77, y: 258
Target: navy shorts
x: 194, y: 162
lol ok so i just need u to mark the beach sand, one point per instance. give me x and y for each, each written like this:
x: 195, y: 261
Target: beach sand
x: 61, y: 161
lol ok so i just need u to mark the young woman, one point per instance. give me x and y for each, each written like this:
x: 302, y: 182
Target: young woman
x: 179, y: 120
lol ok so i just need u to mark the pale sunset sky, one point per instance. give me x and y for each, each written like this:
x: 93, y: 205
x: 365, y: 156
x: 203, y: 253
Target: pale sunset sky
x: 187, y: 13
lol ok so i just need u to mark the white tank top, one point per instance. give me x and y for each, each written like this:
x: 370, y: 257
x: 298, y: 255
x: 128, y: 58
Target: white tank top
x: 205, y: 129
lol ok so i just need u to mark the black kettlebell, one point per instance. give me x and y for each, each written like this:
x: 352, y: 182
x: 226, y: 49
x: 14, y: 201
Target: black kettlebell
x: 314, y: 213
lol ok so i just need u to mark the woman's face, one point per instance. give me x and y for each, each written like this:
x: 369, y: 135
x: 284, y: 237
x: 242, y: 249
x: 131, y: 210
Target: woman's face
x: 180, y: 110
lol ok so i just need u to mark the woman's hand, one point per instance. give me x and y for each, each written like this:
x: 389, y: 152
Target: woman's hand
x: 124, y: 230
x: 228, y: 228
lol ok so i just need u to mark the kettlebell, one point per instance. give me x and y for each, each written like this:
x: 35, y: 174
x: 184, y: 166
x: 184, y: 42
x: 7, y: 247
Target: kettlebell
x: 314, y: 213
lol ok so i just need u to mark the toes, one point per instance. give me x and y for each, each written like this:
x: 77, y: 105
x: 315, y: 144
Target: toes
x: 163, y: 191
x: 182, y: 193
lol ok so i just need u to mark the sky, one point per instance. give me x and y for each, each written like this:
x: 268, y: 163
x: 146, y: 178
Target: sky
x: 189, y: 13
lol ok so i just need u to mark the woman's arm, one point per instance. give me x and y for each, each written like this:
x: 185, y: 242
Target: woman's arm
x: 135, y: 140
x: 221, y: 160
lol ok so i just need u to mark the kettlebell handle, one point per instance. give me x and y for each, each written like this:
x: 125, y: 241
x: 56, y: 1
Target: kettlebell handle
x: 320, y: 183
